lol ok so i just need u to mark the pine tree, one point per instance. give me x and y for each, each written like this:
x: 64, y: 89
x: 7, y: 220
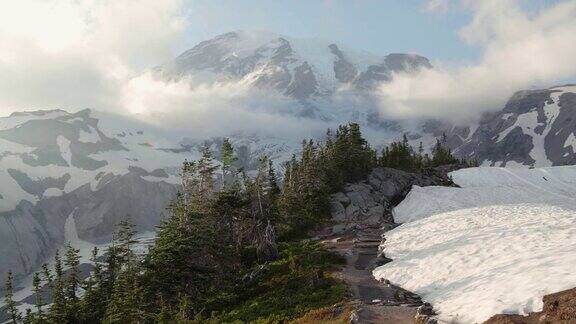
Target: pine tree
x: 58, y: 307
x: 206, y: 169
x: 228, y: 158
x: 263, y: 195
x: 37, y: 288
x: 93, y: 303
x: 442, y: 155
x: 199, y: 253
x: 72, y: 282
x: 13, y: 312
x: 198, y: 184
x: 127, y: 298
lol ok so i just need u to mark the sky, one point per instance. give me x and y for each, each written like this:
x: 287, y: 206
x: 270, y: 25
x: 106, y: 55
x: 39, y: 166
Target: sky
x: 377, y: 26
x: 428, y: 28
x: 95, y: 53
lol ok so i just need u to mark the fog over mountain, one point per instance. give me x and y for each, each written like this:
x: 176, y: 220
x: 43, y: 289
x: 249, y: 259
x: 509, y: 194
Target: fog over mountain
x: 102, y: 102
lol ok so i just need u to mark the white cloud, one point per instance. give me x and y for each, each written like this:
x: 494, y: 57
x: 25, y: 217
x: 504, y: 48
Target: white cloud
x: 216, y: 109
x: 85, y: 54
x: 76, y: 54
x: 519, y: 50
x: 94, y: 53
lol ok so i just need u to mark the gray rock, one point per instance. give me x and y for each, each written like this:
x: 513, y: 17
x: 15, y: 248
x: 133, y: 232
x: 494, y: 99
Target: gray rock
x: 30, y: 234
x: 369, y: 202
x: 337, y: 211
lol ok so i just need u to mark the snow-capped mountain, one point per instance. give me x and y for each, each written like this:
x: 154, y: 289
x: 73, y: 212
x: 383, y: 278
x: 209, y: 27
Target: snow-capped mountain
x: 535, y: 128
x: 99, y: 167
x: 299, y: 68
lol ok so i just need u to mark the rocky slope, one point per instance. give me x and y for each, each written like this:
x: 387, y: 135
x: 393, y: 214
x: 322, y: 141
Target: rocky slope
x: 535, y: 128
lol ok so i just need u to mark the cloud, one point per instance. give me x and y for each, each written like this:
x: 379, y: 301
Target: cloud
x: 436, y: 6
x: 520, y: 50
x: 92, y: 54
x: 216, y: 109
x: 75, y: 54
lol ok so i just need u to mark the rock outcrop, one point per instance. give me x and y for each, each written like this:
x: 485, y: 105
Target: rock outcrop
x: 559, y: 308
x: 369, y: 202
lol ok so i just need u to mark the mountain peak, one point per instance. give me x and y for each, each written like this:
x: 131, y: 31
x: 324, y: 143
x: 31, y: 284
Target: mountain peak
x: 296, y: 67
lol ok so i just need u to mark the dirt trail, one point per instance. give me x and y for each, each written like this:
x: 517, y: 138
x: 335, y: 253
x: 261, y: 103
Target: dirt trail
x: 376, y: 302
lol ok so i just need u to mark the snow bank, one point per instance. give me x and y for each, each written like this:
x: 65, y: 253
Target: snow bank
x: 491, y: 186
x: 496, y: 245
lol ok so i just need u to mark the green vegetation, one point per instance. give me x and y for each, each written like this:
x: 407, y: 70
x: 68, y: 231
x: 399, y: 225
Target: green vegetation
x: 230, y: 251
x: 288, y: 287
x: 400, y: 155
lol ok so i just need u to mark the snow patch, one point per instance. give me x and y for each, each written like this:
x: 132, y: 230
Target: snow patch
x: 474, y: 263
x: 64, y: 145
x: 496, y: 245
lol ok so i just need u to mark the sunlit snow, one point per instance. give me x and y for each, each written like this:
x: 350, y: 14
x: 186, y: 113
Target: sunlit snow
x: 496, y: 245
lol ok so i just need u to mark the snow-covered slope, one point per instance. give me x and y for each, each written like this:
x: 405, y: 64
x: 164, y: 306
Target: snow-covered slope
x: 299, y: 68
x: 535, y: 128
x: 496, y: 245
x: 98, y: 167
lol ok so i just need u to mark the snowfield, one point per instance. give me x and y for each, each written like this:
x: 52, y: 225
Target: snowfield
x: 496, y: 245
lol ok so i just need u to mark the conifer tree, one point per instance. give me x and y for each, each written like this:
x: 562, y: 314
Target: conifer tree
x: 93, y: 303
x: 127, y: 298
x: 58, y: 307
x: 206, y: 169
x: 37, y: 288
x: 263, y: 193
x: 228, y: 158
x: 72, y: 282
x: 15, y: 315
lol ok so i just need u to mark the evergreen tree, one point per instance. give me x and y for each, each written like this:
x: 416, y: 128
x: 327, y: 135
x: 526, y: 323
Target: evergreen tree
x: 58, y: 307
x: 93, y: 303
x: 198, y: 252
x: 263, y: 193
x: 442, y: 155
x: 37, y: 288
x: 15, y: 315
x: 227, y: 158
x: 72, y: 283
x: 206, y: 169
x: 127, y: 297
